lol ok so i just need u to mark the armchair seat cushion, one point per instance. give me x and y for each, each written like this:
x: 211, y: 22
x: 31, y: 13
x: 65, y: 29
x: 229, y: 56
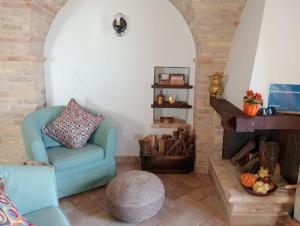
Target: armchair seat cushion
x: 63, y: 158
x: 48, y: 217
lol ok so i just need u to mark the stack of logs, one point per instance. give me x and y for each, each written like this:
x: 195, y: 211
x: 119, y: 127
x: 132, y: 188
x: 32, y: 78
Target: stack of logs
x: 250, y: 158
x: 182, y: 142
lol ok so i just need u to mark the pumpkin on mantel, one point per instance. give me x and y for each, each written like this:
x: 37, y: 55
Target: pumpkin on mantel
x: 248, y: 179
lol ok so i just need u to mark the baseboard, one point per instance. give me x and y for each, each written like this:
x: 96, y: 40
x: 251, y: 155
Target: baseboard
x: 127, y: 159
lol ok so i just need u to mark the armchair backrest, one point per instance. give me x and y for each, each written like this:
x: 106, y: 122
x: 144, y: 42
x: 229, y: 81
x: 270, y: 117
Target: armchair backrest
x: 32, y: 128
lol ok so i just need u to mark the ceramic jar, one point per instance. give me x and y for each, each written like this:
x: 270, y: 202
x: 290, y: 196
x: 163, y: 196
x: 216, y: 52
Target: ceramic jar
x: 160, y: 99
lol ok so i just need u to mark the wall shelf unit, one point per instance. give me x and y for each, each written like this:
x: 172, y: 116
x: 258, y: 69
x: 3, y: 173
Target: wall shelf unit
x: 181, y: 93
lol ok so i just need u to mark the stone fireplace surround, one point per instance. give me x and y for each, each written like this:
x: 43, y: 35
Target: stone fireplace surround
x: 242, y: 208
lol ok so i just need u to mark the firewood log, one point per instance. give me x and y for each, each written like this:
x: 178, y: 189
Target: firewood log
x: 244, y: 151
x: 173, y: 147
x: 268, y: 154
x: 249, y: 165
x: 162, y: 146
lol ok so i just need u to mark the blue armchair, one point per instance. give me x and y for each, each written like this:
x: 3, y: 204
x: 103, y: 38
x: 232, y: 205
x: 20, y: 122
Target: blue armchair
x: 33, y: 191
x: 75, y: 170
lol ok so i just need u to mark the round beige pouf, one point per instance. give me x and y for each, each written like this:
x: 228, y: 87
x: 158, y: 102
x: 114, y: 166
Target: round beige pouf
x: 135, y: 196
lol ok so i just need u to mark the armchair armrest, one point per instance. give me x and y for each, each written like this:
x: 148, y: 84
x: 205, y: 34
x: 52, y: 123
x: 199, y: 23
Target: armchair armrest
x: 105, y: 136
x: 33, y: 142
x: 30, y: 187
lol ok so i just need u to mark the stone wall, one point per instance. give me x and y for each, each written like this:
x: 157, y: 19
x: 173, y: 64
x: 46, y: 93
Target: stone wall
x: 23, y: 29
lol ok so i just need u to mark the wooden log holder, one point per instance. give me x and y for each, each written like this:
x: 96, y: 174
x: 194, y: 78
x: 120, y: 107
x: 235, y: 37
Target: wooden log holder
x: 168, y: 153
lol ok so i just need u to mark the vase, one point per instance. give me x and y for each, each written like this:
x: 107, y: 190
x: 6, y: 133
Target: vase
x: 216, y: 85
x: 160, y: 99
x: 251, y: 109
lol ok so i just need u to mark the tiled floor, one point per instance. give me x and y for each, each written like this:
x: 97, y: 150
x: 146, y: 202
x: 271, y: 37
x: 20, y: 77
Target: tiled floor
x: 190, y: 201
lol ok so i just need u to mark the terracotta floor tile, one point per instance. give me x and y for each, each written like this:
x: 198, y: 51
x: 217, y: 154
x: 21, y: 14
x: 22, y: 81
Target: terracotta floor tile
x: 66, y: 205
x: 168, y: 182
x: 178, y: 191
x: 99, y: 218
x: 201, y: 192
x: 195, y: 206
x: 188, y: 179
x: 75, y: 217
x: 189, y: 218
x: 97, y: 194
x: 162, y: 218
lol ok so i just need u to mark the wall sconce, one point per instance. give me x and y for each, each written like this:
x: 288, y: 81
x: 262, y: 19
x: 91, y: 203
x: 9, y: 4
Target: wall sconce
x: 120, y: 24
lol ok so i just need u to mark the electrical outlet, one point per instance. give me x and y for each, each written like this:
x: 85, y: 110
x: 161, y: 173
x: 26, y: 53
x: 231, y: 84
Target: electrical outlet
x: 137, y: 136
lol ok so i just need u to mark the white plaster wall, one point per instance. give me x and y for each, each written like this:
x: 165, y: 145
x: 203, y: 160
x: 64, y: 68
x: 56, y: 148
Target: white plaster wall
x: 278, y: 52
x: 87, y: 61
x: 242, y: 55
x: 266, y: 49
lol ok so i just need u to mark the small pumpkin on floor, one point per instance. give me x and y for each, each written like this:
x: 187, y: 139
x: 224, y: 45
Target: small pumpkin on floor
x: 248, y: 179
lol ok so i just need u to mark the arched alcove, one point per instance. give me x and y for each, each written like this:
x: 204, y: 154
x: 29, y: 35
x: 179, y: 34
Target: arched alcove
x: 22, y: 41
x: 88, y: 62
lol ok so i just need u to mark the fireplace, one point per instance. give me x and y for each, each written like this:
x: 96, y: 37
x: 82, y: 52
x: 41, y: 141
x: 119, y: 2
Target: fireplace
x: 239, y: 129
x: 233, y: 131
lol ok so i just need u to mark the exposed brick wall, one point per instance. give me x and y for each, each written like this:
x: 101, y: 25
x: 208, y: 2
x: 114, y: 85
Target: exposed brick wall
x: 23, y: 28
x: 213, y: 24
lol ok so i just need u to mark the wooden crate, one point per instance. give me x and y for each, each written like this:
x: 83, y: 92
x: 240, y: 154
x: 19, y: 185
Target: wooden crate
x: 156, y: 158
x: 167, y: 163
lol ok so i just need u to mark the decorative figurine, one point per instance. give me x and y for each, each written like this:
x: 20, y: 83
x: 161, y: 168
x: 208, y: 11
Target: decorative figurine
x: 171, y: 100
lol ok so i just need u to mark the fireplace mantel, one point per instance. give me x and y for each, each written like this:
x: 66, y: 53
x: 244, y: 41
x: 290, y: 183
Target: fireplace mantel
x: 233, y: 118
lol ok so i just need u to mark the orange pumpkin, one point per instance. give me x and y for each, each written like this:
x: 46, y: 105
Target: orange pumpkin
x: 251, y: 109
x: 248, y: 180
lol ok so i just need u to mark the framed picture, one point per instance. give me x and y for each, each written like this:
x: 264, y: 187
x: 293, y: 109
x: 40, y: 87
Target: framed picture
x: 285, y: 97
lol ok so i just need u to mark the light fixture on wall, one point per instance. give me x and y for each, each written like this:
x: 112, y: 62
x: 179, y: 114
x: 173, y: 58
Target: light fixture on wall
x: 120, y: 24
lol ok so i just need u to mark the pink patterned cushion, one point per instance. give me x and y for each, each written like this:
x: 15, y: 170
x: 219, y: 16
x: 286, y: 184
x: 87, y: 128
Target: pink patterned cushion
x: 74, y: 126
x: 9, y: 214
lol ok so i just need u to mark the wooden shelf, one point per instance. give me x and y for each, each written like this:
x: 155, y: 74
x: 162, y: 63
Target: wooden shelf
x: 185, y: 86
x: 178, y: 123
x: 175, y: 105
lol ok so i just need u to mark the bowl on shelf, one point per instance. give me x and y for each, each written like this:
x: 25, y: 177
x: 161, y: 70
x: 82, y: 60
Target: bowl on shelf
x: 166, y: 119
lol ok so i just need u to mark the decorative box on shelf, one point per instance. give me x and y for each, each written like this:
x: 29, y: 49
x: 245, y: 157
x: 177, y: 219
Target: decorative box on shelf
x: 177, y: 79
x: 164, y: 79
